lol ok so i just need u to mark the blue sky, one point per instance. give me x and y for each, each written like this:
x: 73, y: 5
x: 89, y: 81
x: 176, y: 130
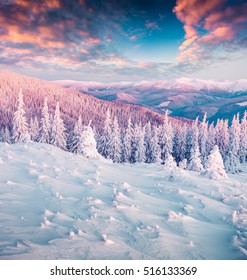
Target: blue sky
x: 124, y: 40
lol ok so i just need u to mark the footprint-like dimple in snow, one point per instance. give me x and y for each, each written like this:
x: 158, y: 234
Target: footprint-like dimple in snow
x: 197, y: 202
x: 126, y: 185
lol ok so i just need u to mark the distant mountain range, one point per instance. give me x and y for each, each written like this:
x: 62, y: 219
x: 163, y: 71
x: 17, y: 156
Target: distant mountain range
x: 183, y: 97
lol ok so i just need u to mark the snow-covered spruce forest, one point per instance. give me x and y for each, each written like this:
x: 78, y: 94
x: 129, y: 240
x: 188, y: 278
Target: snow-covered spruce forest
x: 61, y: 199
x: 197, y: 146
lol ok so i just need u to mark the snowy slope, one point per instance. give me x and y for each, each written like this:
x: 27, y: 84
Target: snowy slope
x: 57, y: 205
x: 72, y: 103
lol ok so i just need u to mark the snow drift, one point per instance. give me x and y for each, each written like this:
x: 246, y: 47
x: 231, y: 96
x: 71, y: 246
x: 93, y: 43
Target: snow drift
x: 59, y: 205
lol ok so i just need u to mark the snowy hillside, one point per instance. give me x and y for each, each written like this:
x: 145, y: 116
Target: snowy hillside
x: 58, y: 205
x: 72, y: 103
x: 183, y: 97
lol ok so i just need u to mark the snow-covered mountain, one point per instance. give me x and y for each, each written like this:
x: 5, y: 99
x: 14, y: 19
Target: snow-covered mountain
x: 184, y: 97
x: 71, y: 102
x: 58, y: 205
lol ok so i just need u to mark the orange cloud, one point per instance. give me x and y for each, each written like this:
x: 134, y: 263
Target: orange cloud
x: 91, y: 41
x: 218, y: 35
x: 23, y: 3
x: 190, y: 31
x: 45, y: 39
x: 231, y: 15
x: 83, y: 33
x: 192, y: 11
x: 208, y: 23
x: 187, y: 43
x: 37, y: 7
x: 53, y: 4
x: 85, y: 51
x: 189, y: 55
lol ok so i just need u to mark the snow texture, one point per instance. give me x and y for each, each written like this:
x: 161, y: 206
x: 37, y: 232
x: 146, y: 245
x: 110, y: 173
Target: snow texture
x: 59, y: 205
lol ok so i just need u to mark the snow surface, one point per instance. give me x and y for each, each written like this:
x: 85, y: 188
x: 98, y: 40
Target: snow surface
x: 164, y: 104
x: 244, y: 103
x: 59, y: 205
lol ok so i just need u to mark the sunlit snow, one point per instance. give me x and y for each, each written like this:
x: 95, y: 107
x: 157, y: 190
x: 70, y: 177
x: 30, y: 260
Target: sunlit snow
x: 58, y: 205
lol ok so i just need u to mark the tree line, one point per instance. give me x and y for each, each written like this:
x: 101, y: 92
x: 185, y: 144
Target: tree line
x: 169, y: 143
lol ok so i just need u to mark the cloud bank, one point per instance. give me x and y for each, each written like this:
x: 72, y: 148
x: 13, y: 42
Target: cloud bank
x: 211, y: 25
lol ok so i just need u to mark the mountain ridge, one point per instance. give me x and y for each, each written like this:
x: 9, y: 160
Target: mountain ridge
x: 72, y: 102
x: 183, y: 97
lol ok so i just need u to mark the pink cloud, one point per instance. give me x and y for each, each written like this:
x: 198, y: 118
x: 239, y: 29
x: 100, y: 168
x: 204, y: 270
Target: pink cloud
x: 191, y: 12
x: 208, y: 23
x: 190, y: 31
x: 231, y: 15
x: 133, y: 38
x: 91, y: 41
x: 85, y: 51
x: 36, y: 7
x: 217, y: 36
x: 152, y: 25
x: 189, y: 55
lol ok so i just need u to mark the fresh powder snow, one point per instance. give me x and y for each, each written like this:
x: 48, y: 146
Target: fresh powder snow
x: 59, y: 205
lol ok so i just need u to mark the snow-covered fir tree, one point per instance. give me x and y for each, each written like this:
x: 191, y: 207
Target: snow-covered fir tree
x: 214, y: 166
x: 170, y: 163
x: 87, y: 143
x: 192, y: 139
x: 195, y: 135
x: 115, y: 152
x: 20, y: 125
x: 155, y: 152
x: 148, y: 139
x: 75, y: 137
x: 211, y: 138
x: 140, y: 141
x: 45, y: 128
x: 203, y: 138
x: 105, y: 141
x: 138, y: 144
x: 166, y: 138
x: 218, y: 131
x: 34, y: 129
x: 232, y: 162
x: 179, y: 143
x: 183, y: 164
x: 6, y: 135
x: 195, y: 163
x: 58, y: 135
x: 2, y: 135
x: 243, y: 139
x: 222, y: 136
x: 127, y: 142
x: 225, y: 139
